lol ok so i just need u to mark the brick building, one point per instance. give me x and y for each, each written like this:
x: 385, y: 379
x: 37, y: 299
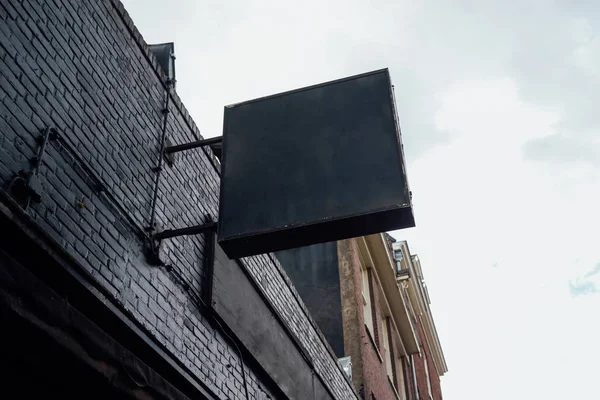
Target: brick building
x: 429, y: 364
x: 85, y: 110
x: 369, y: 298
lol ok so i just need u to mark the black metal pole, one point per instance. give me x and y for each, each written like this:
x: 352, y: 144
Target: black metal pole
x: 192, y: 230
x: 209, y: 257
x: 193, y: 145
x: 158, y: 168
x: 38, y: 160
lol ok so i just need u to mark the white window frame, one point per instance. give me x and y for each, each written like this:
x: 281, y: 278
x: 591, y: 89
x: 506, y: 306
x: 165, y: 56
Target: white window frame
x: 386, y: 348
x: 401, y: 389
x: 366, y: 297
x: 427, y: 375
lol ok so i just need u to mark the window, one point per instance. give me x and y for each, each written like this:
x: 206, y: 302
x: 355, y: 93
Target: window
x: 398, y: 254
x: 393, y: 363
x: 412, y: 376
x: 387, y: 353
x: 427, y: 374
x: 398, y: 259
x: 401, y: 387
x: 366, y: 297
x: 369, y: 286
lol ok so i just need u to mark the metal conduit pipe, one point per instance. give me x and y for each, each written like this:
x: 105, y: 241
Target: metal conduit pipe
x: 158, y: 168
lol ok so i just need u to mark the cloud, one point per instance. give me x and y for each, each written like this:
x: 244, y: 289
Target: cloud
x: 563, y: 149
x: 594, y: 271
x: 479, y: 202
x: 559, y: 68
x: 582, y: 288
x: 586, y: 284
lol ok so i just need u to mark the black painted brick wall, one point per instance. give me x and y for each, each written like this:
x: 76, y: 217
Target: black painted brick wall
x: 82, y: 67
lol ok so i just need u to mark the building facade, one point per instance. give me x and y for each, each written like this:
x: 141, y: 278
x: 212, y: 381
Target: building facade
x: 429, y: 364
x: 369, y: 297
x: 85, y: 112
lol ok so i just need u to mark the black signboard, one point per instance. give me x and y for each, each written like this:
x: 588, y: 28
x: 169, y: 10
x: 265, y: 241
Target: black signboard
x: 313, y: 165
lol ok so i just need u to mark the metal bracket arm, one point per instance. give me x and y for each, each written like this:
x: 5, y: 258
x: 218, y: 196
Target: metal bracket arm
x: 193, y: 145
x: 192, y: 230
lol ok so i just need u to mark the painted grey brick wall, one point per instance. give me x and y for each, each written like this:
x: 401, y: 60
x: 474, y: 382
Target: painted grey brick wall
x: 82, y: 67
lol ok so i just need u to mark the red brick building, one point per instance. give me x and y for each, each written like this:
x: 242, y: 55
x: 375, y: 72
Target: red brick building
x: 368, y: 296
x: 429, y: 364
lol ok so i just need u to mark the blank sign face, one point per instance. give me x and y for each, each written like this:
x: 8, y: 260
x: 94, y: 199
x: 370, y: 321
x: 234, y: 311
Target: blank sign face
x: 312, y: 165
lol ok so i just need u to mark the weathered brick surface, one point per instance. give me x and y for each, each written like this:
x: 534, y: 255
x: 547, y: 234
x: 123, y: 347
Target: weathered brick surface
x: 83, y: 68
x: 420, y: 372
x: 368, y: 370
x: 375, y: 369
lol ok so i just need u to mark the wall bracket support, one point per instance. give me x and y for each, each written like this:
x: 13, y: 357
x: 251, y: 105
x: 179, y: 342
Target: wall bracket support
x: 193, y: 145
x: 191, y: 230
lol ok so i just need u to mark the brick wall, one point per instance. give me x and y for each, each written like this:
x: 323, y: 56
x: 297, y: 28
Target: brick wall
x: 83, y: 68
x: 353, y: 320
x: 369, y: 371
x: 375, y: 373
x: 436, y: 387
x: 398, y: 367
x: 408, y: 378
x: 421, y: 375
x: 434, y: 378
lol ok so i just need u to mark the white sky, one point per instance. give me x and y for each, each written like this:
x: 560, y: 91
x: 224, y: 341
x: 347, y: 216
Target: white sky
x: 499, y: 105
